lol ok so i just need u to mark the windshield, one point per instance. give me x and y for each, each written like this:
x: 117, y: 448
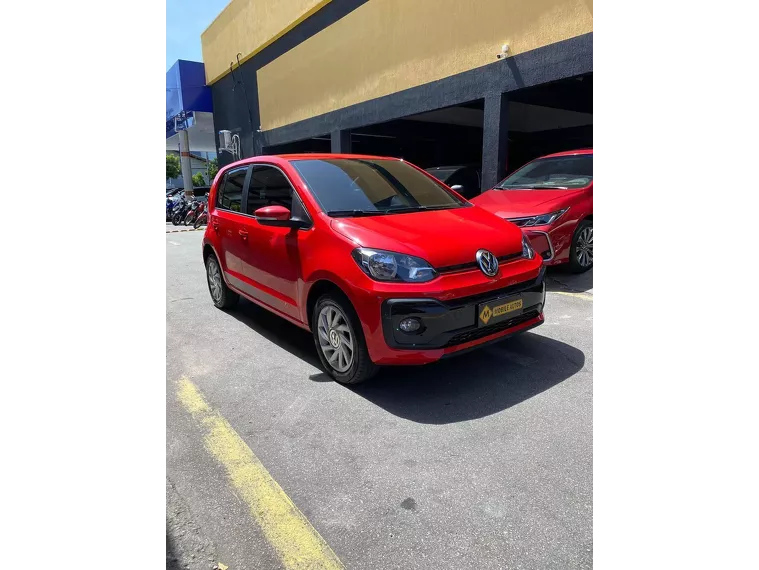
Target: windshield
x: 355, y: 187
x: 563, y: 172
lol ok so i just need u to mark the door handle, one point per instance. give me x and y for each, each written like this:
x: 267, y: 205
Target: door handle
x: 243, y: 234
x: 215, y: 226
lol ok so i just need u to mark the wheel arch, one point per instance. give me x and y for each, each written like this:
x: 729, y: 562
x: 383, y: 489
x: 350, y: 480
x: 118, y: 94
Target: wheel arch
x: 320, y: 287
x: 208, y: 250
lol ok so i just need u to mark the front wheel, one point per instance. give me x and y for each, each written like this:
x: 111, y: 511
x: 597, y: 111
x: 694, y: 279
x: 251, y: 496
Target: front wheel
x: 340, y: 341
x: 581, y: 250
x: 189, y: 218
x: 176, y: 219
x: 200, y: 220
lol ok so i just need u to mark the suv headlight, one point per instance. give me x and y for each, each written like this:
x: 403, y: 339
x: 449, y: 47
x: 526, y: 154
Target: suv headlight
x: 391, y: 266
x: 527, y: 250
x: 544, y: 219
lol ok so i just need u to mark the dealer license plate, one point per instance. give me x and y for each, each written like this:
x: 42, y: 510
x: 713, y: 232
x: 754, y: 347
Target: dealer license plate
x: 493, y: 312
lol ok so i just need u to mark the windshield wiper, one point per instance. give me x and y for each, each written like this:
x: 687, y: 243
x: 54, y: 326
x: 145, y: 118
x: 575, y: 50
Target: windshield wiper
x: 421, y: 208
x: 406, y: 209
x: 532, y: 187
x: 354, y: 213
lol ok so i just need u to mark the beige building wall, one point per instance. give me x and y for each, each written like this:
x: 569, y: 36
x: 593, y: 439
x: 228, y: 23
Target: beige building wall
x: 385, y: 46
x: 247, y: 27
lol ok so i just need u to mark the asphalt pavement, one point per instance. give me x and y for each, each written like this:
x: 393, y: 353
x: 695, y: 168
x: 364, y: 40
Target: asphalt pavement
x: 482, y: 461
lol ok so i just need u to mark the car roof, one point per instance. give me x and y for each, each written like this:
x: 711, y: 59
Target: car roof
x: 569, y: 153
x: 321, y: 155
x: 312, y: 156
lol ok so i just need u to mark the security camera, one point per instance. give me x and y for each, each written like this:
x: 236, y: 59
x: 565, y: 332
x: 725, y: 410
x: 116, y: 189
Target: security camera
x: 504, y: 51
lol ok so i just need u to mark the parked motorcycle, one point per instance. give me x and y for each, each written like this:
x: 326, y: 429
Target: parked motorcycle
x: 180, y: 211
x: 170, y: 203
x: 196, y: 208
x: 202, y: 219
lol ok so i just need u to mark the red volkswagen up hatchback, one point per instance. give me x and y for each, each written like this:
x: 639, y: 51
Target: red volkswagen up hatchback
x: 383, y: 263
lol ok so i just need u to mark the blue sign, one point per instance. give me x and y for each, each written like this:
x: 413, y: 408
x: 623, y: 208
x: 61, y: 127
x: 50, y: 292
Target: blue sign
x: 186, y: 91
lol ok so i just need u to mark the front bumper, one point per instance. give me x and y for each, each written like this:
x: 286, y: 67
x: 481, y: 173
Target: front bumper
x: 551, y: 242
x: 541, y: 243
x: 449, y: 327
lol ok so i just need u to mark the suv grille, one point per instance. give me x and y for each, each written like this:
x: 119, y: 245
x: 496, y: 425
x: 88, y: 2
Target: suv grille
x: 475, y: 334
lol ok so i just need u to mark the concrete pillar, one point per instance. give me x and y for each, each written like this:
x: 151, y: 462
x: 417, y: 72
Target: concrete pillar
x: 341, y: 141
x: 184, y: 157
x: 495, y: 139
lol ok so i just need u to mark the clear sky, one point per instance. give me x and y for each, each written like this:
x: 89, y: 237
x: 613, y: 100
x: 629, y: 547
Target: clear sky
x: 185, y: 21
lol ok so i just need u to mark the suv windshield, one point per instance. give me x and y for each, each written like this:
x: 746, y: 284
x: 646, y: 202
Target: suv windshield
x: 372, y: 187
x: 563, y: 172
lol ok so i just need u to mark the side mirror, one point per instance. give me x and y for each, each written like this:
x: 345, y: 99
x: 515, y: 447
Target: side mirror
x: 457, y: 188
x: 277, y: 216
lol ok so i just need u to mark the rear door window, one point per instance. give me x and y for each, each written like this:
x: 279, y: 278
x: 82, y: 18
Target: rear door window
x: 230, y: 191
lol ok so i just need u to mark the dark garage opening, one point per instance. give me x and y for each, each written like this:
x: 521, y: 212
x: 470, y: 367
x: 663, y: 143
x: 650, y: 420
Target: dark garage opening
x: 317, y: 144
x: 549, y: 118
x: 451, y: 135
x: 448, y: 136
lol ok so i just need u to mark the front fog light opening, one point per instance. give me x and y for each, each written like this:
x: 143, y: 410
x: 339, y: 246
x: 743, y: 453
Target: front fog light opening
x: 410, y: 325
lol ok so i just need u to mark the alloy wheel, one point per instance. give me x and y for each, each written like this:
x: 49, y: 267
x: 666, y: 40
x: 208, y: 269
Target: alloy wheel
x: 584, y: 249
x: 336, y: 339
x: 214, y: 280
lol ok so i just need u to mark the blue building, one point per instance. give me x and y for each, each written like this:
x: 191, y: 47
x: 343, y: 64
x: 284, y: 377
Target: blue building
x: 189, y: 108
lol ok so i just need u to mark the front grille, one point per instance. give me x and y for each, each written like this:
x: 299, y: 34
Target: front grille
x: 475, y: 334
x: 503, y: 292
x: 473, y: 264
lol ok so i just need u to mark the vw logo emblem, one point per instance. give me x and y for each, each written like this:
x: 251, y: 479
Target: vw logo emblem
x: 487, y: 261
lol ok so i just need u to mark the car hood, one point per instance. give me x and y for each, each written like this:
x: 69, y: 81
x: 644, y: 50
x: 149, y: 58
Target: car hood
x: 516, y: 203
x: 442, y: 237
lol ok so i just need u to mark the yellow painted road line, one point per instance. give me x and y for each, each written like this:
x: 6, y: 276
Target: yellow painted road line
x: 578, y: 295
x: 297, y: 543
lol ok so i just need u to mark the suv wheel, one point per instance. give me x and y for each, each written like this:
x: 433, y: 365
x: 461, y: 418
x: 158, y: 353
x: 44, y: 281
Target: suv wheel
x: 221, y: 295
x: 340, y: 340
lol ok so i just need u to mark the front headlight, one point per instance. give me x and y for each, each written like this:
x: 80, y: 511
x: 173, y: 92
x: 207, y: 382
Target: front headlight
x: 527, y: 250
x: 390, y: 266
x: 544, y: 219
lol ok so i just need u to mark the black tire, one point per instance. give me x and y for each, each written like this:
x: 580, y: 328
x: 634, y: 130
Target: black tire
x: 189, y: 218
x: 176, y: 219
x: 225, y: 298
x: 578, y: 245
x: 362, y: 368
x: 198, y: 222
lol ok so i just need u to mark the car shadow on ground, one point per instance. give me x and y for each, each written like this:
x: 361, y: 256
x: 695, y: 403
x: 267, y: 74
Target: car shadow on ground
x: 293, y: 339
x: 476, y: 384
x: 559, y: 278
x: 473, y: 385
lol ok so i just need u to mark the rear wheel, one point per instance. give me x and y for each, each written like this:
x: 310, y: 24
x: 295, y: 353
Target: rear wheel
x: 189, y: 218
x: 221, y: 295
x: 200, y: 219
x: 581, y: 251
x: 340, y: 341
x: 176, y: 219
